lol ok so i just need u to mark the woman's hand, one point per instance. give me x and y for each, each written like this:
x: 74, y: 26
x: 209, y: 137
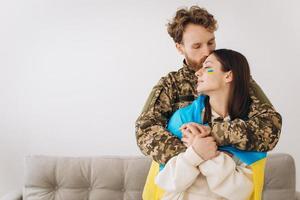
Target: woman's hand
x: 198, y: 136
x: 205, y: 147
x: 190, y: 130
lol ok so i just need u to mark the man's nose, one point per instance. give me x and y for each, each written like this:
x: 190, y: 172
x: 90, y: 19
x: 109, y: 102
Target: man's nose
x: 206, y: 51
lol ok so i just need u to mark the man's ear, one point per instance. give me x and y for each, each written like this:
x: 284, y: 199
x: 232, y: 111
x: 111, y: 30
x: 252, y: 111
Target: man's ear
x: 179, y: 48
x: 228, y: 77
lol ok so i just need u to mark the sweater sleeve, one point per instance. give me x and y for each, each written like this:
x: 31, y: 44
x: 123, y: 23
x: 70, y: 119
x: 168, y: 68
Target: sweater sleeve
x: 180, y: 172
x: 227, y: 179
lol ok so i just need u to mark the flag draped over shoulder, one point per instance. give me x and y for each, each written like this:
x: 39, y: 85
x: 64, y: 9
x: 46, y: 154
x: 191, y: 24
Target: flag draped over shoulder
x: 192, y: 113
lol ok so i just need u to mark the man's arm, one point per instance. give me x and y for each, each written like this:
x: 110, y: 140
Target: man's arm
x: 152, y: 137
x: 259, y: 133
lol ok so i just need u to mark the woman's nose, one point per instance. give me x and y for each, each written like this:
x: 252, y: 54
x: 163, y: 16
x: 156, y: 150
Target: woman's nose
x: 199, y: 73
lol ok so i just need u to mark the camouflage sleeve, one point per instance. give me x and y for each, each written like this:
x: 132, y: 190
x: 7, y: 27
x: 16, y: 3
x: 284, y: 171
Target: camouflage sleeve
x: 152, y: 137
x: 259, y: 133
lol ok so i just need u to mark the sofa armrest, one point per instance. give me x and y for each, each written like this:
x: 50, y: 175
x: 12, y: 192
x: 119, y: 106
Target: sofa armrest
x: 13, y: 195
x: 297, y: 195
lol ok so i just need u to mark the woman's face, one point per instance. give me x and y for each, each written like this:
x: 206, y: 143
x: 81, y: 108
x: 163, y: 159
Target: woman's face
x: 211, y: 78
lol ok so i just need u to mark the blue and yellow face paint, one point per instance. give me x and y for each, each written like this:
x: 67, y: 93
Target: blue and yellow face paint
x: 210, y: 71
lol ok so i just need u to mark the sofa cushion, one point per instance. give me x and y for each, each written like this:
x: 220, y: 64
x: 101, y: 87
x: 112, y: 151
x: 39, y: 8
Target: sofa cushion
x: 280, y: 180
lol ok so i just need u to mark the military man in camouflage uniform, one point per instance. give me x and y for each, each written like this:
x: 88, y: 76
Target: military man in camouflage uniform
x: 193, y: 33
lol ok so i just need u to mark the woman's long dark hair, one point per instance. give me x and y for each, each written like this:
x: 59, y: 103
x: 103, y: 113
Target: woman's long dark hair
x: 239, y: 99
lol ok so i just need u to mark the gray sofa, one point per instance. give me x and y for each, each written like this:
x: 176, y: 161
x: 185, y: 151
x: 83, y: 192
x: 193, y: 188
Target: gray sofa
x: 123, y: 178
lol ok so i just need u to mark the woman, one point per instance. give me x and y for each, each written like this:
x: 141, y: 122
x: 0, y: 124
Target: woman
x: 223, y: 83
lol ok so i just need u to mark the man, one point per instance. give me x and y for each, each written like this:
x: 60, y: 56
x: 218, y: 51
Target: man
x: 193, y: 33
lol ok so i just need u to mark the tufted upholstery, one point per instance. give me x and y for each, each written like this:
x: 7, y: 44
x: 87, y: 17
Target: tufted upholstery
x: 123, y: 178
x: 57, y: 178
x: 280, y: 180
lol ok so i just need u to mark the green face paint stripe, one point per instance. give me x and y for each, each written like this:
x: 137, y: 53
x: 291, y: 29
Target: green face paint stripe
x: 210, y: 70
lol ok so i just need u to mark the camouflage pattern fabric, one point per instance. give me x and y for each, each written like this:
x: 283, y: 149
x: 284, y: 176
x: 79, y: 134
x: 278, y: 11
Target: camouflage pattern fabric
x: 178, y: 89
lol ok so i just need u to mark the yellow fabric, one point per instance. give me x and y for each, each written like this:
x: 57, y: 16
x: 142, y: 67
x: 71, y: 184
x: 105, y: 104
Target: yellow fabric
x: 258, y: 169
x: 153, y: 192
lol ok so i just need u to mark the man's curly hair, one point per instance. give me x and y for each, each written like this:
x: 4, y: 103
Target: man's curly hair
x: 185, y: 16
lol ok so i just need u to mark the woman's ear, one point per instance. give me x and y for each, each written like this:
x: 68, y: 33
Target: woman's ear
x: 228, y: 77
x: 179, y: 48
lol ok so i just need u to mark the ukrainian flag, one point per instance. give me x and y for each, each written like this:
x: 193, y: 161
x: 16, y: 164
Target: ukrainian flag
x: 191, y: 113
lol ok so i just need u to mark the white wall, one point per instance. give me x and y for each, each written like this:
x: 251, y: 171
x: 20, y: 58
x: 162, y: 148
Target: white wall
x: 74, y: 74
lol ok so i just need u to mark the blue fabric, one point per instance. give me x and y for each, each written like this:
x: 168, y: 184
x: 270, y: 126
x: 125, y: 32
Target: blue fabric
x: 192, y: 113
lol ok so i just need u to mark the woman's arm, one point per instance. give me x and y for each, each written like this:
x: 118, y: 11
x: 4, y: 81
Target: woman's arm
x: 227, y: 179
x: 180, y: 172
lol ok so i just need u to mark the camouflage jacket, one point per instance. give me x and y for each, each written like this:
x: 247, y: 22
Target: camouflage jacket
x: 178, y: 89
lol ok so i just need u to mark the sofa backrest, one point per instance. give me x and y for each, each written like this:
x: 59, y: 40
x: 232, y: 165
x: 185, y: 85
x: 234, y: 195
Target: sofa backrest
x: 123, y: 178
x: 107, y: 178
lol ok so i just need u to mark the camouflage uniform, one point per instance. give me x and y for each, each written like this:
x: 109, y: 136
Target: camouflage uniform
x: 178, y: 89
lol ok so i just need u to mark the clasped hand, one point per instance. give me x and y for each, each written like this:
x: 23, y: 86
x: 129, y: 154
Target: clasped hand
x: 198, y: 136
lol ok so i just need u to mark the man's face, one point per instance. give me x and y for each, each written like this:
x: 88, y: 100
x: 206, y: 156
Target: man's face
x: 197, y: 44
